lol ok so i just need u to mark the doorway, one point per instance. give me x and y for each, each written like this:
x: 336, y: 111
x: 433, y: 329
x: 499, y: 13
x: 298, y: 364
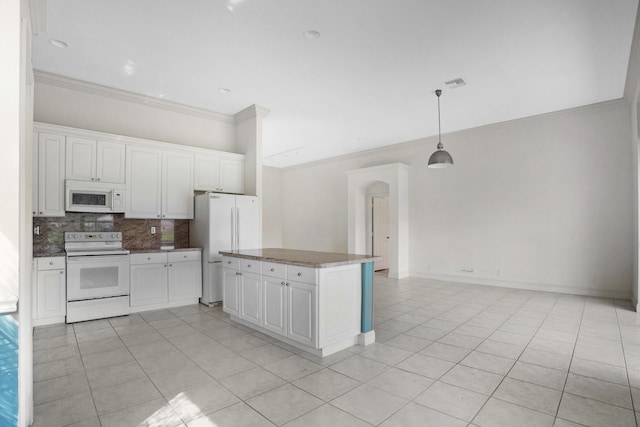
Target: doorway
x: 380, y: 232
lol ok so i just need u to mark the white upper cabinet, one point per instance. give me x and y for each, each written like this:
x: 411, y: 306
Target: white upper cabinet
x: 159, y: 183
x: 48, y: 160
x: 91, y: 160
x: 177, y: 185
x: 144, y: 182
x: 225, y: 175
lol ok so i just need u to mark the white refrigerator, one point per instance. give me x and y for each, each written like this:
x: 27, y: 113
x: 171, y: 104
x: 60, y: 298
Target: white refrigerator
x: 223, y: 222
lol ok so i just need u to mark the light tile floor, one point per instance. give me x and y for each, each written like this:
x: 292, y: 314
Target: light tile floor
x: 447, y: 354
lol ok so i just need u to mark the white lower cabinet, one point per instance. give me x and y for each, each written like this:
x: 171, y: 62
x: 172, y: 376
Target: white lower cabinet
x: 301, y: 311
x: 162, y: 280
x: 250, y: 298
x: 289, y: 309
x: 49, y: 290
x: 313, y: 308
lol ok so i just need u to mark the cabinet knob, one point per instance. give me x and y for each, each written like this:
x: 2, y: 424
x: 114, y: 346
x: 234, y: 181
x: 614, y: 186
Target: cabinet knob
x: 98, y: 179
x: 238, y: 273
x: 299, y: 274
x: 158, y: 216
x: 228, y: 262
x: 50, y: 262
x: 273, y: 269
x: 170, y: 265
x: 165, y: 265
x: 248, y: 265
x: 286, y: 284
x: 163, y: 216
x: 185, y: 256
x: 148, y: 258
x: 61, y: 271
x: 93, y: 179
x: 40, y: 213
x: 282, y: 283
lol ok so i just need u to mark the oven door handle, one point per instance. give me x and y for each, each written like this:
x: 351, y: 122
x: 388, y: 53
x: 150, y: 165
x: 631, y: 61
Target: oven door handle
x: 96, y: 258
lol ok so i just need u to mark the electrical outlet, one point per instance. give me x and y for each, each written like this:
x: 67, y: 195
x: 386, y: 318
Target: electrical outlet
x: 36, y: 230
x: 153, y: 230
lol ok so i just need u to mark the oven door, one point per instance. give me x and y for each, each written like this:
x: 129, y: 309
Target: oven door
x: 97, y: 276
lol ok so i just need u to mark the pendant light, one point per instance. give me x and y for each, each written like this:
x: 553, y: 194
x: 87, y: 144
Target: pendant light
x: 440, y: 158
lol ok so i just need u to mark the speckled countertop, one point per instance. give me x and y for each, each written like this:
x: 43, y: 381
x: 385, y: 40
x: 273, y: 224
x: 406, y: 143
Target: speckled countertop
x: 146, y: 251
x: 45, y: 254
x: 303, y: 258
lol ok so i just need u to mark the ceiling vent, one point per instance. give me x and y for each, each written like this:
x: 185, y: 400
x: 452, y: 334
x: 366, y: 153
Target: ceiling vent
x: 455, y: 83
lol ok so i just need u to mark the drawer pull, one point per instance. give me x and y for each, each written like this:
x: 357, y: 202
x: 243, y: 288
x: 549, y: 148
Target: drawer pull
x: 299, y: 274
x: 50, y: 262
x: 238, y: 273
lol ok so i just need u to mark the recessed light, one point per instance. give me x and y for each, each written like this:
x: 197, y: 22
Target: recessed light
x: 58, y: 43
x: 311, y: 34
x: 224, y: 90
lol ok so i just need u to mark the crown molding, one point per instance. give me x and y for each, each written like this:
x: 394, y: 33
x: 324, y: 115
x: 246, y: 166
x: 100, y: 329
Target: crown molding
x: 252, y: 111
x: 632, y: 83
x: 38, y: 12
x: 123, y: 95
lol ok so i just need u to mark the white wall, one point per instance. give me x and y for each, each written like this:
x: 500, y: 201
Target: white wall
x: 543, y: 203
x: 81, y: 105
x: 271, y: 208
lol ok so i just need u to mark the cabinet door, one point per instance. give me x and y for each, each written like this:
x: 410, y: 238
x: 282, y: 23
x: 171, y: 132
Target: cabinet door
x: 51, y: 294
x: 274, y: 305
x: 51, y: 149
x: 110, y: 162
x: 251, y: 298
x: 81, y: 159
x: 144, y: 181
x: 148, y: 284
x: 230, y: 292
x: 185, y: 280
x: 301, y: 321
x: 207, y: 171
x: 232, y: 176
x: 177, y: 185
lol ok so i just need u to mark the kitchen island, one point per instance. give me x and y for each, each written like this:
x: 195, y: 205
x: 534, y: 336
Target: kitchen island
x: 320, y: 302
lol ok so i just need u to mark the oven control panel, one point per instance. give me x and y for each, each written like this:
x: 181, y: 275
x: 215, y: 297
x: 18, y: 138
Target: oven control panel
x: 92, y: 236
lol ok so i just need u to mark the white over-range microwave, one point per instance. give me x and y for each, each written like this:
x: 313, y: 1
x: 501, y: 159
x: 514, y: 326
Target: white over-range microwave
x: 84, y: 196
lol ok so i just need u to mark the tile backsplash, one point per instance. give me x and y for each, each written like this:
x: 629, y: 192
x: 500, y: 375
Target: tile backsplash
x: 136, y: 233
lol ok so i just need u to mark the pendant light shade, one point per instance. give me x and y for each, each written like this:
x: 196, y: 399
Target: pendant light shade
x: 440, y: 158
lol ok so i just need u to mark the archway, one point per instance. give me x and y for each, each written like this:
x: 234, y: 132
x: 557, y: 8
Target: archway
x: 396, y: 176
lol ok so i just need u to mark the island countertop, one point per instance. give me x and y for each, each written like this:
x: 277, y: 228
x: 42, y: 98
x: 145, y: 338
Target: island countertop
x: 302, y: 258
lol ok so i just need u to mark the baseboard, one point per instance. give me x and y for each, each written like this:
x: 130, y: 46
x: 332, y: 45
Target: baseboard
x: 600, y: 293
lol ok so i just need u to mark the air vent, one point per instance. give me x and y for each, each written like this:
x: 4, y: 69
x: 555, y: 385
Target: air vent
x: 455, y: 83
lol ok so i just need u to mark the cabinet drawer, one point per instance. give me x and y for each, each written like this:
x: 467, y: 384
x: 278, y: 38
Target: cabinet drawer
x: 230, y: 262
x: 184, y: 256
x: 149, y: 258
x: 250, y: 265
x: 51, y: 263
x: 274, y: 269
x: 302, y: 274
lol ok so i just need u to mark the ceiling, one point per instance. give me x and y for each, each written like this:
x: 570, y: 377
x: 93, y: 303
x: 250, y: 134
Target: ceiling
x: 367, y: 81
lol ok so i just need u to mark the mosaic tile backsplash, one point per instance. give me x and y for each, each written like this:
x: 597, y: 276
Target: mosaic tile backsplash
x: 136, y: 233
